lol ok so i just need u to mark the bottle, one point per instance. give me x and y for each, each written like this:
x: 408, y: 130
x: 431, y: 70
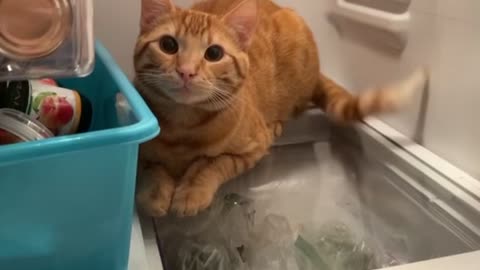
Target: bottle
x: 61, y: 110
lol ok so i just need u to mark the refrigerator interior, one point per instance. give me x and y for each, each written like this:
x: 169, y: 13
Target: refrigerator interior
x: 414, y: 174
x: 393, y: 204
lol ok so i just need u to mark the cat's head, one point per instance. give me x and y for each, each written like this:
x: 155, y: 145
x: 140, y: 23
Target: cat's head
x: 191, y: 57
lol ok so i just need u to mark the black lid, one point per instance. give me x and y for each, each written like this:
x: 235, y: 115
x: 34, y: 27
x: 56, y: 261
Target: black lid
x: 87, y: 115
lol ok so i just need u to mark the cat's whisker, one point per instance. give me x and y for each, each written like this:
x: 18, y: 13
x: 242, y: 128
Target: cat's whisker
x: 157, y: 80
x: 223, y: 93
x: 217, y: 103
x: 233, y: 98
x: 153, y: 77
x: 218, y: 100
x: 225, y: 98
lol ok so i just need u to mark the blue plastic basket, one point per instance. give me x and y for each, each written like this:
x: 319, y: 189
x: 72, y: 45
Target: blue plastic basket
x: 67, y: 203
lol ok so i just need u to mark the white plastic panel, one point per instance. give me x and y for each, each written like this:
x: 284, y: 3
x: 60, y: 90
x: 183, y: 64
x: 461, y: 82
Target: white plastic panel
x: 378, y: 17
x: 442, y: 34
x: 364, y: 21
x: 392, y: 6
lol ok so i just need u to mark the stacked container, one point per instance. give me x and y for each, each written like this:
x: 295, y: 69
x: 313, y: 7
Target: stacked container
x: 66, y: 202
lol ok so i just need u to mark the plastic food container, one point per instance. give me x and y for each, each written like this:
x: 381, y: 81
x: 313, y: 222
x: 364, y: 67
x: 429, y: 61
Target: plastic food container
x: 67, y: 202
x: 62, y: 111
x: 45, y: 38
x: 17, y: 127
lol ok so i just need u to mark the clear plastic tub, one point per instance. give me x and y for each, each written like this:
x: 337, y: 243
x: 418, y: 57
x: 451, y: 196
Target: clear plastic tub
x: 21, y: 127
x: 45, y: 38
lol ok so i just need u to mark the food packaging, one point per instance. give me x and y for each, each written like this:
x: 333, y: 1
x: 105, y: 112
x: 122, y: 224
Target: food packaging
x: 17, y: 127
x: 61, y: 110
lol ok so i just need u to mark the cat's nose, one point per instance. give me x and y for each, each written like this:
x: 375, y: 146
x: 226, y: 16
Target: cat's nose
x: 186, y: 72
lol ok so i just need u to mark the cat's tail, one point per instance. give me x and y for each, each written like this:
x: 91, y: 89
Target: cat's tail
x: 342, y: 106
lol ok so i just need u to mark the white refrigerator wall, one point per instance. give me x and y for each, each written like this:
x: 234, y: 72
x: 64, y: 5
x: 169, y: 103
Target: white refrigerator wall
x: 444, y: 34
x: 117, y: 26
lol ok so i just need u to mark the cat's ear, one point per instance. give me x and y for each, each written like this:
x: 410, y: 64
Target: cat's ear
x: 151, y: 10
x: 243, y: 20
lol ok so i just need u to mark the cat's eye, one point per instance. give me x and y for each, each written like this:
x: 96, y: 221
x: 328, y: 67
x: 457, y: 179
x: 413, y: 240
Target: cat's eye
x: 169, y: 45
x: 214, y: 53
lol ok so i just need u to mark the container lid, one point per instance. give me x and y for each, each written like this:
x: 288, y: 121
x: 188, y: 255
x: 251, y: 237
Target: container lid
x: 20, y: 125
x: 32, y: 29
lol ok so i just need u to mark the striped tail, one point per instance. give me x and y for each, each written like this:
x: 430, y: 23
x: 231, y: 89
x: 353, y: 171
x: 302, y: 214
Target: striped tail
x: 344, y: 107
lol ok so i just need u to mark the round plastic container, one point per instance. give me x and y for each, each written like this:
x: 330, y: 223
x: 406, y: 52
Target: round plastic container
x: 47, y: 26
x: 46, y: 38
x: 16, y: 127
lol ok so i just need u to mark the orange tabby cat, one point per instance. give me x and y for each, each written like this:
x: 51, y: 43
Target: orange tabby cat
x: 222, y: 78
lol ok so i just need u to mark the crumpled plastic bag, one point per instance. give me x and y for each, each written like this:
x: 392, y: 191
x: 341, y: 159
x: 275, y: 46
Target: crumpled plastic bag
x: 207, y: 256
x: 213, y: 240
x: 333, y: 247
x: 227, y: 237
x: 291, y: 213
x: 271, y: 246
x: 230, y: 237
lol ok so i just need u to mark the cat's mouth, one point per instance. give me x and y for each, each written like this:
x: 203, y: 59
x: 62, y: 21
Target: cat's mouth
x: 185, y: 92
x: 196, y: 93
x: 188, y: 95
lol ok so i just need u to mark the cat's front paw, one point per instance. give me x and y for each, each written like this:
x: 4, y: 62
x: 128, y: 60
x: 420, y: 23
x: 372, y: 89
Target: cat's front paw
x: 190, y: 199
x: 154, y: 192
x: 153, y: 201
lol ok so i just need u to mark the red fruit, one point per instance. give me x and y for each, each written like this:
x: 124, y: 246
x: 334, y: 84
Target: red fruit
x: 55, y: 112
x: 48, y: 105
x: 8, y: 138
x: 64, y: 111
x: 49, y: 82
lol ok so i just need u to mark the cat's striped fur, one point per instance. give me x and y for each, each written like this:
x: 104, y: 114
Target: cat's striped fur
x: 220, y: 123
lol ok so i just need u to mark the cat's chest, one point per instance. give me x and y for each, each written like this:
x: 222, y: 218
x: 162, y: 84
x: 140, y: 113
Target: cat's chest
x: 190, y: 145
x: 178, y: 146
x: 177, y: 152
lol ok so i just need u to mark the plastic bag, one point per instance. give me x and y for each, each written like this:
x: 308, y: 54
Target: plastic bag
x: 333, y: 248
x: 208, y: 256
x: 229, y: 236
x: 293, y: 212
x: 271, y: 246
x: 213, y: 240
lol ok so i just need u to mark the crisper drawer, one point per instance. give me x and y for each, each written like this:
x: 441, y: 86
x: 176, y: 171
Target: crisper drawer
x: 396, y: 209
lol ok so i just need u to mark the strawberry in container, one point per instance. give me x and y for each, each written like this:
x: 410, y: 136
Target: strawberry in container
x: 49, y: 82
